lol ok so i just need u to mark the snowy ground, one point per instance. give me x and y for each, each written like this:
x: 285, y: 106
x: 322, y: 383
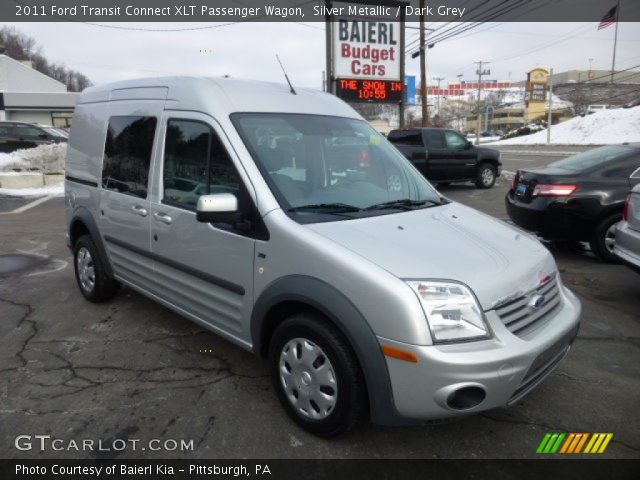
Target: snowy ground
x: 50, y: 190
x: 601, y: 128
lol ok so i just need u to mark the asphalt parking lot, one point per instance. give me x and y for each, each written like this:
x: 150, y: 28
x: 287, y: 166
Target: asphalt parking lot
x: 132, y: 369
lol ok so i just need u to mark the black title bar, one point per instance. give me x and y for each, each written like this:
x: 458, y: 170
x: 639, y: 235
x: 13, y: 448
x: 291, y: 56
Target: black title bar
x: 309, y: 10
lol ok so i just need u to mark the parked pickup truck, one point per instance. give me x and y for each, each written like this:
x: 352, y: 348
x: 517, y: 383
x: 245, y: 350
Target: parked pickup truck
x: 444, y: 156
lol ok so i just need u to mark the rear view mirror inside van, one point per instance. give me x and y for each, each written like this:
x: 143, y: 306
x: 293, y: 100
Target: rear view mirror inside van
x: 218, y: 208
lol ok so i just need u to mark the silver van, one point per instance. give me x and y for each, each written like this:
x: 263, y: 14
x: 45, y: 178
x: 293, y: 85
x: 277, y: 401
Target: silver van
x: 282, y: 221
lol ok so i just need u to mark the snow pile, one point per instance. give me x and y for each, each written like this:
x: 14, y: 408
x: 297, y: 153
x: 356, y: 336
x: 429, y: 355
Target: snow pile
x: 605, y: 127
x: 56, y: 190
x: 48, y: 158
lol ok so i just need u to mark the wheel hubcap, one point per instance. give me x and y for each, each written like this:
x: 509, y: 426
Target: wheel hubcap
x: 86, y: 270
x: 487, y: 176
x: 610, y: 238
x: 308, y: 378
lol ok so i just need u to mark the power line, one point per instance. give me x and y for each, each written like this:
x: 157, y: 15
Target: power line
x: 502, y: 11
x: 139, y: 29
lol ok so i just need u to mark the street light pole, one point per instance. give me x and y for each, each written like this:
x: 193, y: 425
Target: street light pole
x: 550, y: 106
x: 480, y: 72
x: 438, y: 79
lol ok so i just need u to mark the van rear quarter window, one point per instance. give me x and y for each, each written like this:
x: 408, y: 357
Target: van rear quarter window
x: 127, y: 154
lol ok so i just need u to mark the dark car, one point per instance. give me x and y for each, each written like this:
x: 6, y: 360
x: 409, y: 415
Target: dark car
x: 444, y: 156
x: 580, y: 198
x: 19, y: 135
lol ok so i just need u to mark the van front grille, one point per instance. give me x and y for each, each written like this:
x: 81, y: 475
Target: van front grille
x: 521, y: 316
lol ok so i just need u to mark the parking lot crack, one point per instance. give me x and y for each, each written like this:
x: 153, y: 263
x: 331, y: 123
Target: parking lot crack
x: 24, y: 320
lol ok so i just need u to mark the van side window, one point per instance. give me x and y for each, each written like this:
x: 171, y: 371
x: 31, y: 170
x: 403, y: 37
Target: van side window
x: 127, y: 154
x: 186, y: 156
x: 195, y: 163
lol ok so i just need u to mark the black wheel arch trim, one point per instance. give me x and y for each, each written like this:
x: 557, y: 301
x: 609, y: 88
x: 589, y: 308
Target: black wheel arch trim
x: 488, y: 159
x: 83, y: 215
x: 349, y: 320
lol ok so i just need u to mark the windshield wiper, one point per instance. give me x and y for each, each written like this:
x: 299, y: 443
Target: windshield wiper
x: 326, y: 208
x: 404, y: 204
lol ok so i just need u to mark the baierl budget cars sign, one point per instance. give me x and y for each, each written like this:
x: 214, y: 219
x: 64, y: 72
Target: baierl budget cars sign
x: 366, y: 49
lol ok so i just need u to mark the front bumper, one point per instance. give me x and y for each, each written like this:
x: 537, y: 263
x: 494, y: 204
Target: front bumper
x: 505, y: 367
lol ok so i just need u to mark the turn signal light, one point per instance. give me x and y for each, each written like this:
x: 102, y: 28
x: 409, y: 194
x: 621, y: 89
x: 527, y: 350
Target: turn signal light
x: 515, y: 180
x: 399, y: 354
x: 542, y: 190
x: 625, y: 212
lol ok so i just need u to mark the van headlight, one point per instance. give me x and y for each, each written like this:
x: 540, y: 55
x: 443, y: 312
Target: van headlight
x: 452, y: 311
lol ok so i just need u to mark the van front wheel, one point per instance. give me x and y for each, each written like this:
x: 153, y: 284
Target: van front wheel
x: 316, y: 375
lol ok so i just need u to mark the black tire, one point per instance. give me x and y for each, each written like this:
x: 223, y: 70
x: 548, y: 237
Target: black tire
x: 103, y: 287
x: 350, y: 396
x: 601, y: 238
x: 486, y: 175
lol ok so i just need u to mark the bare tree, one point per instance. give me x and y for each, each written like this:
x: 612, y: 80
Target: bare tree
x: 453, y: 114
x: 19, y: 46
x: 580, y: 99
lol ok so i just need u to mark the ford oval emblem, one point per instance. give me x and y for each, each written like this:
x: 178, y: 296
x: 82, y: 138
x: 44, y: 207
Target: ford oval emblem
x: 536, y: 301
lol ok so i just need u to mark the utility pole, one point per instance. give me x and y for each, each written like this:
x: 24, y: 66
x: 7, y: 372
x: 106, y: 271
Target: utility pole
x: 423, y: 65
x: 550, y: 106
x: 615, y: 41
x: 480, y: 73
x: 438, y: 79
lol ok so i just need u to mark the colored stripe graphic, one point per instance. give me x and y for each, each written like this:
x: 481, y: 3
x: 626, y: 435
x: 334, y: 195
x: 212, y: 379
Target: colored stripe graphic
x: 543, y: 443
x: 598, y: 443
x: 573, y: 443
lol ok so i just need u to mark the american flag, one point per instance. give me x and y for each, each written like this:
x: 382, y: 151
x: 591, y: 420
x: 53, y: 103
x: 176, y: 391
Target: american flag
x: 609, y: 19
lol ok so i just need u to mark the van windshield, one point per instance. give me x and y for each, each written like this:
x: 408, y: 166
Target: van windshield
x: 323, y: 168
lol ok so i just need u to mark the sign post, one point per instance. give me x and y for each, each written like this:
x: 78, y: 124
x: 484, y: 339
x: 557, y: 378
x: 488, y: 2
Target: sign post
x: 365, y: 54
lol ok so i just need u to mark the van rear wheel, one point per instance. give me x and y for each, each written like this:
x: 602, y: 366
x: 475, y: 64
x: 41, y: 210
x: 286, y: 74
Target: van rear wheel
x: 316, y: 375
x: 93, y: 281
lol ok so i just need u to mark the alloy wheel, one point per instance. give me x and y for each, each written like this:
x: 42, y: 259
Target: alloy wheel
x: 86, y: 269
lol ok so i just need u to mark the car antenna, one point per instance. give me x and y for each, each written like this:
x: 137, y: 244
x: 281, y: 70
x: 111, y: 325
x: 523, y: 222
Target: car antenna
x: 286, y: 76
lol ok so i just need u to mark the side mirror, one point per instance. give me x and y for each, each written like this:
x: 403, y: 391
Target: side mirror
x: 468, y: 145
x: 218, y: 208
x: 43, y: 136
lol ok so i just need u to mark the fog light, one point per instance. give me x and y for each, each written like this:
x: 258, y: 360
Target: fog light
x: 466, y: 398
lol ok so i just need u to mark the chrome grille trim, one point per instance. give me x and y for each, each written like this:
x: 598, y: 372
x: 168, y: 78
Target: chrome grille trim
x: 520, y: 318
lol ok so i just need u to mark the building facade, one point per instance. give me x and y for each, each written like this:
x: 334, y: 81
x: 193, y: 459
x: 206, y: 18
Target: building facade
x: 27, y: 95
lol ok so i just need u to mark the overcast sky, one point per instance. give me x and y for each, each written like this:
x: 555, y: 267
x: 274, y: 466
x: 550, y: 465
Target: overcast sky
x: 248, y: 50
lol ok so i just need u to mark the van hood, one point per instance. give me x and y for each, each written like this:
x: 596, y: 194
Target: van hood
x: 450, y: 242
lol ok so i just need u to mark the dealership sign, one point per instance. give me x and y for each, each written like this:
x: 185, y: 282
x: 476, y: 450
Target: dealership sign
x: 366, y: 49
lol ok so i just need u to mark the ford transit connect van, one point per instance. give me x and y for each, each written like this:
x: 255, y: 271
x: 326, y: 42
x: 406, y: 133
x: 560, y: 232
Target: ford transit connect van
x: 286, y: 224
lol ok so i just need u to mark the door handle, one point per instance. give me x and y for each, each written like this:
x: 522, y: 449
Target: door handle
x: 138, y: 210
x: 163, y: 217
